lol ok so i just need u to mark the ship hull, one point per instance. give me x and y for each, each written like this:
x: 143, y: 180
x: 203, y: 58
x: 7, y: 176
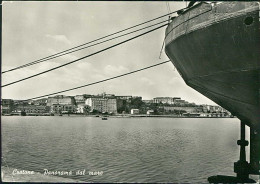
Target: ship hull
x: 215, y: 48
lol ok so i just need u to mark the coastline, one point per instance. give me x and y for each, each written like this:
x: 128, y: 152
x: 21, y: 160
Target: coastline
x: 7, y: 176
x: 132, y: 116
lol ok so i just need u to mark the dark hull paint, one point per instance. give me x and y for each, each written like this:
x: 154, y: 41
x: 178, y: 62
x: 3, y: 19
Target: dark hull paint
x: 220, y: 58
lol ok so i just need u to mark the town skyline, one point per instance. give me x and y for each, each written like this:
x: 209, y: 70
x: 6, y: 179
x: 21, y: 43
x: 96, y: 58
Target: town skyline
x: 103, y: 93
x: 89, y: 104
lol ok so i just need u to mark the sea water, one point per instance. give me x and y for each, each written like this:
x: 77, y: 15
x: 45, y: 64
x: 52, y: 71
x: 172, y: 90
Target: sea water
x: 122, y: 149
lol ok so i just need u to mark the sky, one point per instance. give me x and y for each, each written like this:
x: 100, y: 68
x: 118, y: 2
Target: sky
x: 33, y: 30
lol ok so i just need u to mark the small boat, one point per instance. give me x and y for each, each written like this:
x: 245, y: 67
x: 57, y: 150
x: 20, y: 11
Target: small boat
x: 104, y: 118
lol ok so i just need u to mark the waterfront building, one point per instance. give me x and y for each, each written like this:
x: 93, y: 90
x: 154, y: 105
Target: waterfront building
x: 81, y: 108
x: 80, y: 99
x: 61, y: 104
x: 127, y: 98
x: 104, y: 95
x: 134, y: 111
x: 166, y: 100
x: 212, y: 108
x: 204, y: 108
x: 20, y: 102
x: 80, y: 102
x: 62, y: 109
x: 103, y: 105
x: 35, y: 109
x: 42, y: 101
x: 98, y: 104
x: 61, y: 99
x: 180, y: 102
x: 215, y: 109
x: 219, y: 109
x: 111, y: 105
x: 172, y: 109
x: 7, y: 106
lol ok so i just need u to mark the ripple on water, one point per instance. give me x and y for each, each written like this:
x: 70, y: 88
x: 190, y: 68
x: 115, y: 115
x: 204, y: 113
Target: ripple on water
x: 125, y: 149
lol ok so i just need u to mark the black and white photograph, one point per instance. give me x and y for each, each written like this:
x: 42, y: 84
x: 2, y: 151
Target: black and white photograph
x: 130, y: 91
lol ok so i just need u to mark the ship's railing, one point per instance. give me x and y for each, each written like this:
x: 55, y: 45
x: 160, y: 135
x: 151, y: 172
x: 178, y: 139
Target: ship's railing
x: 201, y: 9
x: 190, y: 18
